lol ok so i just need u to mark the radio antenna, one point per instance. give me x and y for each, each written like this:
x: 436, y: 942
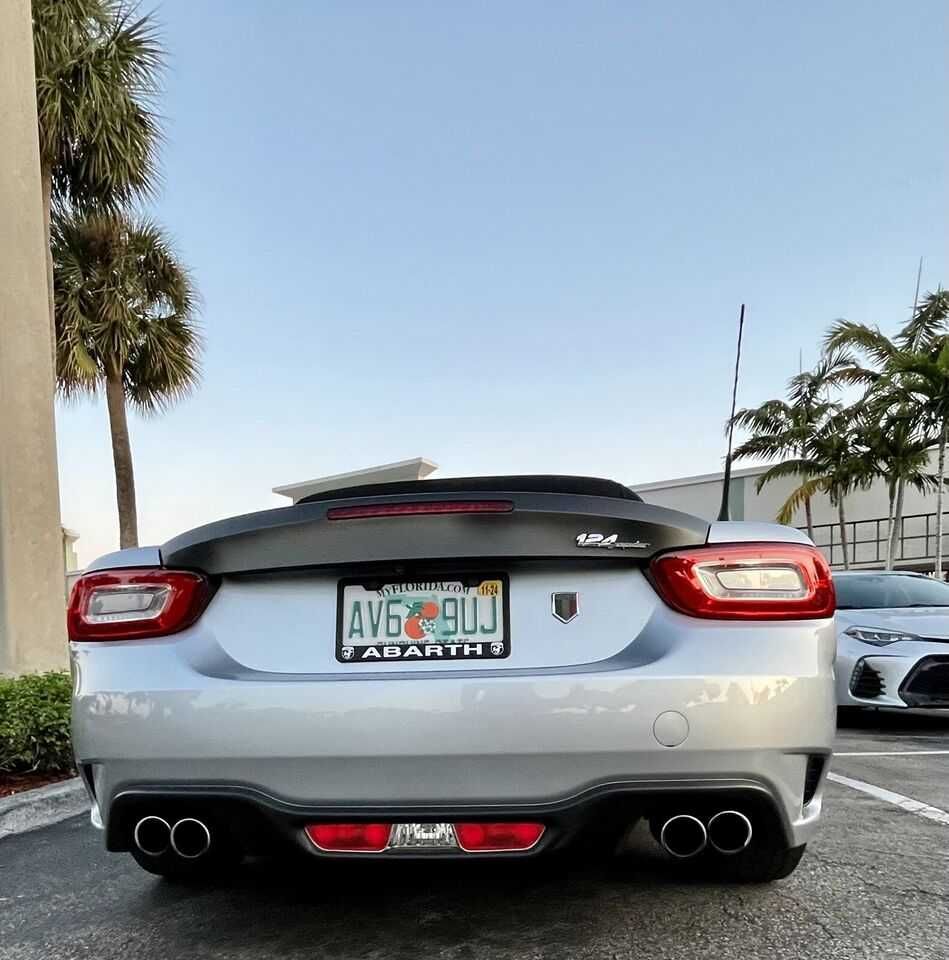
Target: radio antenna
x: 723, y: 513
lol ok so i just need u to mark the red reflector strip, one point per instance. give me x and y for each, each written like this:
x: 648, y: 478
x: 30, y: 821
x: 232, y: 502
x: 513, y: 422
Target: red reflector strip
x: 378, y: 837
x: 350, y: 837
x: 418, y: 509
x: 488, y: 837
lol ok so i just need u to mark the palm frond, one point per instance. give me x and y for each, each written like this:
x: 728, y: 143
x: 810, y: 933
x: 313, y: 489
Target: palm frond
x: 97, y: 70
x: 929, y: 321
x: 806, y: 491
x: 762, y: 447
x: 787, y: 468
x: 771, y: 417
x: 868, y: 341
x: 125, y: 305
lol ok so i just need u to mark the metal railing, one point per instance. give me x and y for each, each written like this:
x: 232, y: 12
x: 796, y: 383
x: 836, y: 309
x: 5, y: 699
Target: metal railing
x: 915, y: 540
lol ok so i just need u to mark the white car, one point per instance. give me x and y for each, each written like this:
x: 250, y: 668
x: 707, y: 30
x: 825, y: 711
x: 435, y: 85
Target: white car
x: 892, y: 640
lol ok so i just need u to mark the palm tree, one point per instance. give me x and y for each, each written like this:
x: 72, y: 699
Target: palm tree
x: 901, y: 453
x: 907, y: 460
x: 126, y: 322
x: 786, y: 428
x: 922, y: 369
x: 833, y: 465
x: 912, y: 376
x: 892, y: 432
x: 96, y: 74
x: 897, y: 449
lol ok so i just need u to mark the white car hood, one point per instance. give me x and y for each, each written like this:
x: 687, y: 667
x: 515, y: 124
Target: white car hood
x: 923, y: 621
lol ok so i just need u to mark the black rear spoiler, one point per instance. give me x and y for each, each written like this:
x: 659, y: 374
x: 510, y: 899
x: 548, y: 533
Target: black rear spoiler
x: 562, y: 520
x: 544, y: 483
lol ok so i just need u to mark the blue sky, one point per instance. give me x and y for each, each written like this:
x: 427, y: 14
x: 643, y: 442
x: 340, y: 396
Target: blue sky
x: 513, y: 237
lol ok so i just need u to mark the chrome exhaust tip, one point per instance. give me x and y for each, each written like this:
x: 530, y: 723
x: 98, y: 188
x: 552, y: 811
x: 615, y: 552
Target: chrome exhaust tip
x: 683, y: 836
x: 152, y: 835
x: 190, y: 838
x: 729, y: 831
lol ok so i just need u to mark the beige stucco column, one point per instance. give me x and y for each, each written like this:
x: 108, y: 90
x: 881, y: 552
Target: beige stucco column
x: 32, y: 629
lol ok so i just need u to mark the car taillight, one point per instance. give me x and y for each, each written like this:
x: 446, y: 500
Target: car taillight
x: 429, y: 507
x: 753, y: 581
x: 488, y: 837
x: 350, y: 837
x: 134, y: 604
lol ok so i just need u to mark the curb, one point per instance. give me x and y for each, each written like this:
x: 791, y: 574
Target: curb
x: 37, y: 808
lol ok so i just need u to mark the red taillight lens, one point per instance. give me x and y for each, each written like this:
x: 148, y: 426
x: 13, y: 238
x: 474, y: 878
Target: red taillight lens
x: 487, y: 837
x: 134, y: 604
x: 350, y: 837
x: 418, y: 509
x: 755, y: 581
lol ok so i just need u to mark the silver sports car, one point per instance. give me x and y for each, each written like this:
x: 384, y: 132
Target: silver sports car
x: 469, y: 668
x: 892, y: 640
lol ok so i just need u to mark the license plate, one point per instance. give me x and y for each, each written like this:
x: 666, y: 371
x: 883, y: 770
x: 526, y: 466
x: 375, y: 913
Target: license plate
x: 465, y: 618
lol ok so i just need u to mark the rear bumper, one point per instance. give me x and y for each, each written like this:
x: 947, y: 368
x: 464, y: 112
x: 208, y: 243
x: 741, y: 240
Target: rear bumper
x: 256, y: 823
x: 420, y: 746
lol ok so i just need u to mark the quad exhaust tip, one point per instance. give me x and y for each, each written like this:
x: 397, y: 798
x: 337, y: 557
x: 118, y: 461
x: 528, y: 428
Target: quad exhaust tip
x: 683, y: 836
x: 152, y: 836
x: 729, y: 831
x: 190, y: 838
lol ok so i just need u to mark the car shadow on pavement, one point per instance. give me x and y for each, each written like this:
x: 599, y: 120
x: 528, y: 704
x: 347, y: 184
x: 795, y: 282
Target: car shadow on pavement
x: 549, y: 908
x: 923, y: 723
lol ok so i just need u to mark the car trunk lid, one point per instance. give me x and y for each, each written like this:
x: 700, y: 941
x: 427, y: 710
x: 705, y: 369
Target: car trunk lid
x: 492, y: 573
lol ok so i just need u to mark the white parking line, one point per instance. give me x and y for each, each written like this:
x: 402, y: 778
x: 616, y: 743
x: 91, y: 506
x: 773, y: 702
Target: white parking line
x: 897, y: 799
x: 893, y: 753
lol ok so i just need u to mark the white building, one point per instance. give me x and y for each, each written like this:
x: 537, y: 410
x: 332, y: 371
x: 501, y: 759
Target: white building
x: 866, y: 513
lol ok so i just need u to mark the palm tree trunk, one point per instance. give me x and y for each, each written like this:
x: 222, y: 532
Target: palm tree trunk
x: 843, y: 530
x: 46, y: 180
x: 897, y: 523
x: 891, y: 498
x: 809, y: 517
x: 939, y: 492
x: 122, y: 459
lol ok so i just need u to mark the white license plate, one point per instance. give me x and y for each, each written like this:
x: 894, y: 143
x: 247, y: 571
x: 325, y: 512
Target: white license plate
x: 451, y: 619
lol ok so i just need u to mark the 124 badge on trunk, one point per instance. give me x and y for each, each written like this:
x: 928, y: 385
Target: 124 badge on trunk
x: 423, y: 620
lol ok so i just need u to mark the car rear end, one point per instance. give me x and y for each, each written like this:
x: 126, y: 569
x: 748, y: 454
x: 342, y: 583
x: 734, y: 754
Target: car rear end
x: 490, y: 667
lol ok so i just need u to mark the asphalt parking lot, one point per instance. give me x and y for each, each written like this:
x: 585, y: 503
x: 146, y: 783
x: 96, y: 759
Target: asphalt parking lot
x: 874, y: 884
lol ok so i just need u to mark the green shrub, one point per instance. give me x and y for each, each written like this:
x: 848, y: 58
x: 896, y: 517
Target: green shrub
x: 34, y: 722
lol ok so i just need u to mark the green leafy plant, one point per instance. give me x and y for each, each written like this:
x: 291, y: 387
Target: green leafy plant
x: 34, y: 723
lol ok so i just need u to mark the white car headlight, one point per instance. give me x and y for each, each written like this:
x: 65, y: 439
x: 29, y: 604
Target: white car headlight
x: 879, y: 637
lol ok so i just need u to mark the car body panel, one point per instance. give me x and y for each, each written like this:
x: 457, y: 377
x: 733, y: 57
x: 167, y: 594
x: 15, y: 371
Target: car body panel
x: 126, y: 559
x: 929, y: 622
x: 299, y: 615
x: 753, y: 531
